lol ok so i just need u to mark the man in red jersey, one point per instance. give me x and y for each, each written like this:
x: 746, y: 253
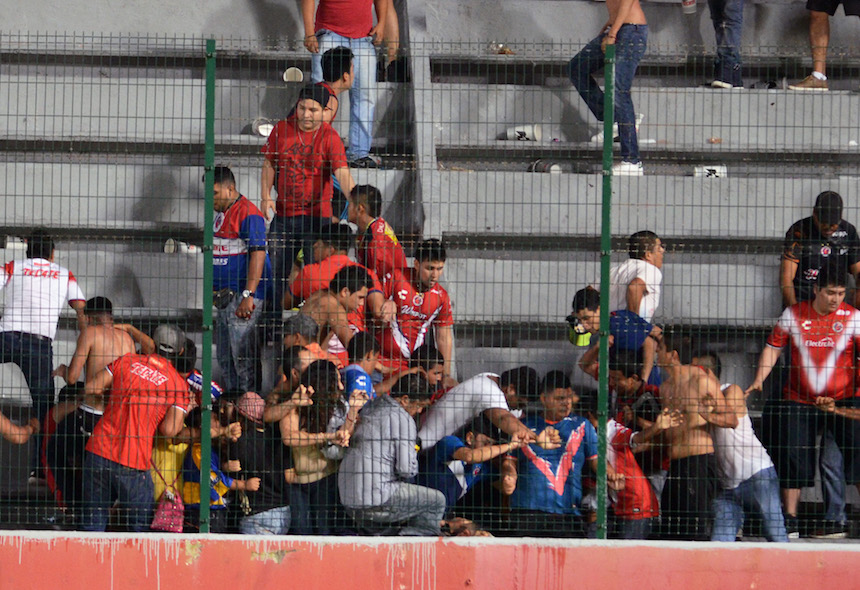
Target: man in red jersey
x: 145, y: 396
x: 376, y: 245
x: 822, y: 335
x: 301, y: 154
x: 423, y: 306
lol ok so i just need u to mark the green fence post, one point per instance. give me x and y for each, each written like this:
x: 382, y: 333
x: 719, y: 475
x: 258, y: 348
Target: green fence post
x: 208, y: 231
x: 605, y: 254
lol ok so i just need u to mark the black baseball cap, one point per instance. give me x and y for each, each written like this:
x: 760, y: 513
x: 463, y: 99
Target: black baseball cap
x: 828, y: 208
x: 316, y: 92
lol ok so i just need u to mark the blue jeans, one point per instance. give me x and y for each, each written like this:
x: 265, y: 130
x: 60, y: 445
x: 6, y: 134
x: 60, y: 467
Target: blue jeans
x: 362, y: 95
x: 106, y: 481
x: 630, y: 46
x: 238, y: 346
x: 759, y: 493
x: 728, y: 19
x: 415, y: 510
x: 288, y: 235
x: 639, y: 528
x: 271, y: 522
x: 832, y: 469
x: 34, y: 355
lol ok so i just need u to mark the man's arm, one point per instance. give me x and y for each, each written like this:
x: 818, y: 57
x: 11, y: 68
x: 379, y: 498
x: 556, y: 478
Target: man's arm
x: 147, y: 344
x: 308, y: 13
x: 405, y: 437
x: 766, y: 362
x: 378, y: 32
x: 17, y: 435
x: 828, y: 404
x: 99, y: 383
x: 256, y: 263
x: 509, y: 424
x: 470, y: 455
x: 171, y: 424
x: 636, y: 291
x: 72, y: 372
x: 335, y: 316
x: 445, y: 344
x: 267, y: 181
x: 642, y: 440
x: 855, y: 272
x: 589, y: 362
x: 713, y: 406
x: 78, y: 306
x: 344, y: 177
x: 787, y: 272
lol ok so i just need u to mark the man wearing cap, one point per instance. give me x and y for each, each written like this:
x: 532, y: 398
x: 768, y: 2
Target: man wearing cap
x: 810, y: 244
x: 300, y: 157
x: 146, y: 396
x: 241, y: 268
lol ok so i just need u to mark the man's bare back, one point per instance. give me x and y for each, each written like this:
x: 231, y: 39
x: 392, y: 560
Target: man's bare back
x: 330, y: 315
x: 683, y: 391
x: 97, y: 347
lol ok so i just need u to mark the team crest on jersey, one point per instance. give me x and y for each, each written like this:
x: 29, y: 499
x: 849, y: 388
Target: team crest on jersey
x: 826, y: 250
x: 806, y: 324
x: 219, y: 220
x: 418, y: 300
x: 838, y: 327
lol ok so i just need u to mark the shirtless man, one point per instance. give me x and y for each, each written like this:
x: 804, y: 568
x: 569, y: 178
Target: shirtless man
x: 330, y: 307
x: 687, y: 495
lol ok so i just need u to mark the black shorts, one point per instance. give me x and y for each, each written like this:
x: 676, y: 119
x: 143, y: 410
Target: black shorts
x: 852, y: 7
x: 686, y: 499
x: 789, y: 431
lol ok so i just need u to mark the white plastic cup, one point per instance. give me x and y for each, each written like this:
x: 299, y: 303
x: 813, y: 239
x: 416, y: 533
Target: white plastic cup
x: 293, y: 74
x: 545, y: 166
x: 172, y: 246
x: 688, y: 6
x: 262, y: 127
x: 524, y: 133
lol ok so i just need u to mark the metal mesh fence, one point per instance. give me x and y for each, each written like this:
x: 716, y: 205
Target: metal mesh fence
x: 396, y: 381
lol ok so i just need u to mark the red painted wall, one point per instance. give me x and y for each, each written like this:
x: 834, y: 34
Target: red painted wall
x: 93, y: 562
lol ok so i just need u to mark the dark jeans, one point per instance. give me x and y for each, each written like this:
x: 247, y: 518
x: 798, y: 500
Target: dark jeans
x: 288, y: 235
x: 728, y: 19
x: 35, y: 357
x: 105, y: 482
x: 630, y: 46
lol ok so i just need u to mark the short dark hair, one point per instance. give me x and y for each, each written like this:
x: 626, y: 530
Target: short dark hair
x: 554, y: 380
x: 480, y: 425
x: 369, y: 196
x: 351, y: 278
x: 187, y: 361
x: 641, y: 243
x: 337, y: 235
x: 40, y: 244
x: 588, y: 401
x: 323, y: 377
x: 223, y: 175
x: 426, y: 356
x: 709, y: 360
x: 431, y: 250
x: 414, y: 386
x: 588, y: 298
x: 98, y: 305
x: 626, y: 361
x: 335, y: 63
x: 302, y: 325
x: 831, y: 275
x: 524, y: 379
x: 290, y: 358
x: 360, y: 345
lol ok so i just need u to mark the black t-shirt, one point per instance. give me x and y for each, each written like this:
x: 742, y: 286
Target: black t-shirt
x: 805, y: 245
x: 263, y: 454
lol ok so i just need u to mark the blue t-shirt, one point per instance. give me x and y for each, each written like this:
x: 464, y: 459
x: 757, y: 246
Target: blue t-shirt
x: 354, y: 377
x: 239, y: 230
x: 439, y: 470
x: 551, y: 480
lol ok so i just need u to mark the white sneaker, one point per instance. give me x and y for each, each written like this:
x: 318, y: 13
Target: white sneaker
x: 598, y: 137
x: 628, y: 169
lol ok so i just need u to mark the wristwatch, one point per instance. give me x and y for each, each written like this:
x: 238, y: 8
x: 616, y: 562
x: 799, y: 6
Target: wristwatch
x: 246, y: 294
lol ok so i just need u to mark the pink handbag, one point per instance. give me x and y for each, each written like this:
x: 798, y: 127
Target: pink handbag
x: 170, y: 510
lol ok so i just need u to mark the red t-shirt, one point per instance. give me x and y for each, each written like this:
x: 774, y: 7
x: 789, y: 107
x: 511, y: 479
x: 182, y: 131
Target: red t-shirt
x: 304, y: 163
x: 822, y: 351
x: 347, y: 18
x: 144, y: 387
x: 379, y: 250
x: 417, y: 312
x: 637, y: 499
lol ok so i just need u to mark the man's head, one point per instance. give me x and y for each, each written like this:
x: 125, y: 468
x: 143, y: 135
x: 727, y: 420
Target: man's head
x: 520, y: 386
x: 365, y: 203
x: 479, y: 433
x: 557, y: 396
x: 412, y: 392
x: 829, y: 289
x: 586, y: 308
x: 309, y: 107
x: 667, y: 357
x: 324, y: 378
x: 300, y: 329
x: 335, y: 238
x: 40, y: 245
x: 169, y: 342
x: 225, y: 188
x: 428, y: 358
x: 363, y: 349
x: 187, y: 361
x: 588, y: 405
x: 293, y: 364
x: 99, y: 310
x: 430, y: 259
x: 827, y: 212
x: 709, y: 361
x: 647, y: 246
x: 624, y: 368
x: 350, y: 286
x: 337, y: 67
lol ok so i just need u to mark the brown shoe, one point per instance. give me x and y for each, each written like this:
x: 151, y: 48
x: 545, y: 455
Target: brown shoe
x: 810, y: 83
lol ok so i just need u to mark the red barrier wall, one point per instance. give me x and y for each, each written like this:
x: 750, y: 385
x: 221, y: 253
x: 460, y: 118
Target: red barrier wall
x: 36, y: 560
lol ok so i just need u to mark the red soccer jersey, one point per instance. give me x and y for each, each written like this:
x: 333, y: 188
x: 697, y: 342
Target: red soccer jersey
x: 417, y: 312
x: 822, y: 351
x: 378, y: 249
x: 347, y: 18
x: 637, y: 499
x: 144, y: 388
x: 304, y: 163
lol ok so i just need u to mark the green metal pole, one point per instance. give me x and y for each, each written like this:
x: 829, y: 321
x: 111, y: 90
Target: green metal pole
x: 605, y: 254
x: 208, y: 231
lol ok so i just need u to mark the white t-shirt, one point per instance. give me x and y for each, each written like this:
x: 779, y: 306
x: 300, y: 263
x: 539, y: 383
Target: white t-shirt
x: 739, y: 453
x: 459, y: 405
x: 37, y: 290
x: 621, y: 275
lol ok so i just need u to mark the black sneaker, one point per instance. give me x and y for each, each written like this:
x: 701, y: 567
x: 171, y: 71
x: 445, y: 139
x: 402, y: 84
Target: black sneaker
x: 831, y: 530
x: 365, y: 162
x: 792, y: 527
